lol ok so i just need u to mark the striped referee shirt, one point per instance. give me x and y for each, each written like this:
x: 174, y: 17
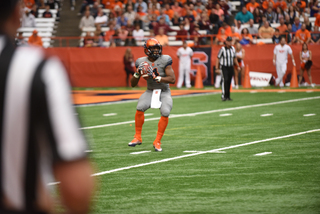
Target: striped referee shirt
x: 226, y: 56
x: 37, y: 126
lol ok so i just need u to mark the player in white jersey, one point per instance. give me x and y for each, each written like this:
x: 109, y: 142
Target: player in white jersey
x: 305, y: 58
x: 280, y: 60
x: 158, y: 93
x: 184, y: 54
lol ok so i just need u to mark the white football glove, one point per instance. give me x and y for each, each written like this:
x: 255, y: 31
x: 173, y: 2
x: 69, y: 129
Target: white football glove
x: 157, y: 79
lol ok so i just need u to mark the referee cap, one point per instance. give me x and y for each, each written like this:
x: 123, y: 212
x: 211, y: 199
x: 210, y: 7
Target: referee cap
x: 229, y: 39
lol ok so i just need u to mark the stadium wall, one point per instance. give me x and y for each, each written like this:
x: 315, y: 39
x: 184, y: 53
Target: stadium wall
x: 103, y: 67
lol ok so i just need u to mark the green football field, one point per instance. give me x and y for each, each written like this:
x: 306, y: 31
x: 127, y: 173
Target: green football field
x: 221, y: 172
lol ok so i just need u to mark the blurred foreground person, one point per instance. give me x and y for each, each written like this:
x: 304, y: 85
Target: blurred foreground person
x: 39, y: 134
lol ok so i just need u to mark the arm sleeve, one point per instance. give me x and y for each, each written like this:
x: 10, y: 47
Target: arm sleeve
x: 289, y: 50
x: 275, y: 50
x: 60, y: 125
x: 137, y: 63
x: 191, y: 52
x: 169, y: 61
x: 220, y: 53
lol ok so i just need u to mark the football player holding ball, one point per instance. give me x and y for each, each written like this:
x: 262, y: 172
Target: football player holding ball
x: 157, y: 70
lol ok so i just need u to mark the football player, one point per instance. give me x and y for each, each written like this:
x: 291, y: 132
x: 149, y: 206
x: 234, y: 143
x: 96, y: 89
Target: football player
x: 161, y: 74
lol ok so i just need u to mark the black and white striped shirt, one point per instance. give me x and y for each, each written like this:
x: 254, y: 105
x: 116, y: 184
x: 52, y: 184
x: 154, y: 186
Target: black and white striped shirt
x: 37, y: 125
x: 226, y: 56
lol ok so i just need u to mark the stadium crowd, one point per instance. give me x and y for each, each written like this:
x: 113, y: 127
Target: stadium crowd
x: 127, y: 21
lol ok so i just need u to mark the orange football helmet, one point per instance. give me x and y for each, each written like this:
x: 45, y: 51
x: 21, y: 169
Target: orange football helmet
x: 153, y: 48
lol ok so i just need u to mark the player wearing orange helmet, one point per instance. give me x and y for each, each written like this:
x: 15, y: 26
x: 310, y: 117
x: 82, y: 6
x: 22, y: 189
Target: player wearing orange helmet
x: 158, y: 95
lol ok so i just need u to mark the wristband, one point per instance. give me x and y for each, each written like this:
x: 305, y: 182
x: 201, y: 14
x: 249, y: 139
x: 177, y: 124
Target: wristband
x: 136, y: 75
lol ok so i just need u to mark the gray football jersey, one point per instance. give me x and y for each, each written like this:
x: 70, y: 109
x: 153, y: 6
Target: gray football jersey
x: 160, y: 64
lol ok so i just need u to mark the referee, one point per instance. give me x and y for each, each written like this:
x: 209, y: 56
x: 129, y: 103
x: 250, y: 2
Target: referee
x: 225, y: 61
x: 39, y: 134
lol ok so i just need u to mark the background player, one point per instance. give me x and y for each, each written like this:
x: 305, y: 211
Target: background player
x: 184, y: 54
x: 163, y: 74
x: 280, y: 59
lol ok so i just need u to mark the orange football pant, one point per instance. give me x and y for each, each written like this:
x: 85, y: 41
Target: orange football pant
x: 162, y: 125
x: 139, y: 120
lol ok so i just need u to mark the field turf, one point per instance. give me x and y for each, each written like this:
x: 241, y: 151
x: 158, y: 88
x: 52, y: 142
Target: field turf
x: 237, y: 181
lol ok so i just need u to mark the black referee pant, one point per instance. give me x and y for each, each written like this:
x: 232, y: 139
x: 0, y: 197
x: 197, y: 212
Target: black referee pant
x: 227, y: 73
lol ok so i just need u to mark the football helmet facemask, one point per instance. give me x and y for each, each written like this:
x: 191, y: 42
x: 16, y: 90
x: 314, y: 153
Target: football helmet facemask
x: 153, y: 48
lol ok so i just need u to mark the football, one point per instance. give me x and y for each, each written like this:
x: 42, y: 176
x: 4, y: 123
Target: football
x: 145, y: 71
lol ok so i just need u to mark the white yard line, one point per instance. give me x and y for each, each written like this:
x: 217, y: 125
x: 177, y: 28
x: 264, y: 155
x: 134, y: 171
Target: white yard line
x: 281, y: 91
x: 148, y: 114
x: 266, y: 115
x: 308, y: 115
x: 207, y: 112
x: 137, y: 153
x: 204, y: 152
x: 224, y: 115
x: 110, y: 114
x: 263, y: 153
x: 201, y: 151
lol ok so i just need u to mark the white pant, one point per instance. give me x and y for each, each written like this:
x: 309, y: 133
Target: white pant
x: 184, y: 72
x: 281, y: 71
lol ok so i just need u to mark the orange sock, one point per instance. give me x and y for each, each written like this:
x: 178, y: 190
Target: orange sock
x: 162, y: 125
x: 139, y: 120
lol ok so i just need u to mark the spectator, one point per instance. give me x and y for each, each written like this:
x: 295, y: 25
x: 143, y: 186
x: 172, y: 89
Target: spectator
x: 252, y: 5
x: 219, y: 11
x: 276, y: 37
x: 142, y: 4
x: 227, y: 29
x: 169, y: 11
x: 122, y: 21
x: 266, y: 4
x: 137, y: 21
x: 130, y: 41
x: 236, y: 37
x: 257, y: 16
x: 88, y: 40
x: 266, y: 32
x: 299, y: 6
x: 98, y: 31
x: 308, y: 23
x: 101, y: 18
x: 246, y: 37
x: 193, y: 11
x: 314, y: 8
x: 282, y: 28
x: 244, y: 16
x: 221, y: 38
x: 123, y: 34
x: 108, y: 35
x: 226, y: 10
x: 297, y: 25
x: 156, y: 4
x: 128, y: 62
x: 34, y: 39
x: 252, y: 29
x: 264, y: 19
x: 116, y: 4
x: 47, y: 13
x: 115, y: 37
x: 282, y: 4
x: 315, y: 36
x: 210, y: 5
x: 131, y: 4
x: 94, y: 10
x: 28, y: 19
x: 162, y: 38
x: 199, y: 7
x: 302, y: 35
x: 129, y: 27
x: 195, y: 35
x: 182, y: 33
x: 138, y: 33
x: 53, y: 4
x: 270, y: 15
x: 112, y: 20
x: 214, y: 20
x: 238, y: 27
x: 34, y: 11
x: 288, y: 33
x: 130, y: 14
x: 84, y: 5
x: 20, y: 41
x: 153, y: 21
x: 140, y: 12
x: 317, y: 23
x: 204, y: 23
x: 292, y: 14
x: 98, y: 38
x: 154, y: 10
x: 287, y: 19
x: 279, y: 14
x: 176, y: 8
x: 86, y: 21
x: 176, y: 20
x: 161, y: 24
